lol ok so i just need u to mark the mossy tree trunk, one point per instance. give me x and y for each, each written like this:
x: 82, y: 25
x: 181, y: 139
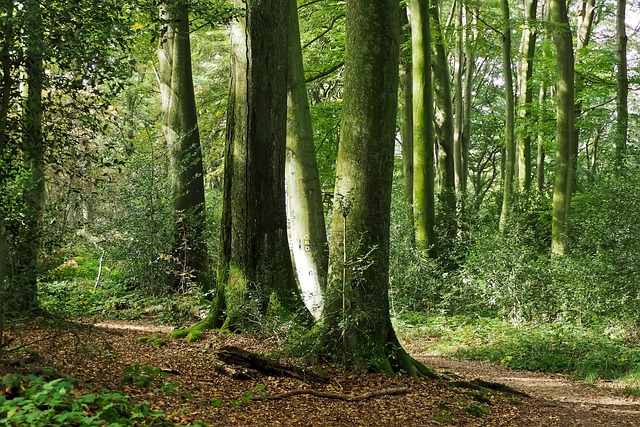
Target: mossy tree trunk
x: 180, y: 128
x: 406, y: 112
x: 307, y: 231
x: 254, y: 262
x: 525, y: 94
x: 564, y: 126
x: 423, y: 133
x: 23, y: 285
x: 356, y: 314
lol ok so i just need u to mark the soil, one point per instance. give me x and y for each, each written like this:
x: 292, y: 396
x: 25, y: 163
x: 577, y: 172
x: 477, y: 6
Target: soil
x: 203, y: 389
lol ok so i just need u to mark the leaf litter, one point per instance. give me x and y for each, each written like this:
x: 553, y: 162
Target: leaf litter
x: 189, y: 385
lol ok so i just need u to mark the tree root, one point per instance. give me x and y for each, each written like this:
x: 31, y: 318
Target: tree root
x: 329, y: 395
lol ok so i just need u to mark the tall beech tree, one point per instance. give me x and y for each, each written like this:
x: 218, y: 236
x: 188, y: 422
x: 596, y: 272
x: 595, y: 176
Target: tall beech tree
x: 23, y: 287
x: 509, y: 131
x: 180, y: 129
x: 525, y: 94
x: 307, y: 232
x: 254, y: 262
x: 423, y: 134
x: 356, y: 312
x: 622, y: 80
x: 562, y: 185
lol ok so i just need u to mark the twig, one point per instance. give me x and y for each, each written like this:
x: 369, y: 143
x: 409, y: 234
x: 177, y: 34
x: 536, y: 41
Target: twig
x: 329, y: 395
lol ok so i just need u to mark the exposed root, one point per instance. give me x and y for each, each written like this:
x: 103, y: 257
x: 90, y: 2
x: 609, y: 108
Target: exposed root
x: 328, y: 395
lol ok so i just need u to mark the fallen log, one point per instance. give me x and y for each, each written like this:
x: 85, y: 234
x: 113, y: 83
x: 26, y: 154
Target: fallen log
x: 239, y: 357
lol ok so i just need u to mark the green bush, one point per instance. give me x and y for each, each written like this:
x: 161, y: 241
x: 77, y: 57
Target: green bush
x: 35, y: 401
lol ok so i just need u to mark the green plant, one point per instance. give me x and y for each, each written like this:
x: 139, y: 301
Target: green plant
x: 249, y: 395
x: 142, y: 375
x: 35, y: 401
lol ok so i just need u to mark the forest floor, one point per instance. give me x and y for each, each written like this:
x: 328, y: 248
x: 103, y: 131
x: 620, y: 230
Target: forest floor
x: 196, y: 387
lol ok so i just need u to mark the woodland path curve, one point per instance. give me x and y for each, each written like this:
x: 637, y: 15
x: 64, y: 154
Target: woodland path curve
x: 562, y: 401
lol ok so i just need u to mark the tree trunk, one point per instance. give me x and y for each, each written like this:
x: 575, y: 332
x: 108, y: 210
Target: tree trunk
x: 542, y: 99
x: 586, y: 16
x: 564, y: 129
x: 23, y: 287
x: 406, y: 113
x: 356, y: 317
x: 470, y: 59
x: 254, y: 261
x: 525, y: 94
x: 443, y: 103
x: 307, y: 232
x: 423, y: 145
x: 458, y: 143
x: 622, y: 109
x: 509, y: 138
x: 180, y: 128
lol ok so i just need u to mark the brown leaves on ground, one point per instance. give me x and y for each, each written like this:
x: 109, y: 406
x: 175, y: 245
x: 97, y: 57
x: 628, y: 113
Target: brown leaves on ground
x: 197, y: 387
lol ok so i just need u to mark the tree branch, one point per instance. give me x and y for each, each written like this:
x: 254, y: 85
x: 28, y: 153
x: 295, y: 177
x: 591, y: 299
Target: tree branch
x: 324, y: 73
x: 329, y: 395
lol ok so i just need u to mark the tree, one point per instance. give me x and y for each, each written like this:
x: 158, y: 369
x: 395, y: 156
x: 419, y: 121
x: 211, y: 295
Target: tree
x: 525, y: 94
x: 622, y: 108
x: 509, y: 131
x: 356, y: 312
x: 180, y: 129
x: 23, y: 290
x: 423, y: 135
x: 562, y: 185
x: 254, y: 261
x: 307, y: 232
x: 443, y: 106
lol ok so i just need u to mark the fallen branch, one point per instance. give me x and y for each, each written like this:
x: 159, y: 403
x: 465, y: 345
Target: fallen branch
x: 239, y: 357
x: 329, y: 395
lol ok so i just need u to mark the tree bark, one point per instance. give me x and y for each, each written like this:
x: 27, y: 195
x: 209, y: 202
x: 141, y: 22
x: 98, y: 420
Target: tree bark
x: 458, y: 142
x: 622, y: 79
x: 307, y: 232
x: 509, y: 132
x: 356, y: 319
x: 406, y: 112
x: 443, y: 103
x: 564, y: 128
x: 542, y: 99
x: 470, y: 60
x: 525, y: 94
x: 23, y: 287
x: 423, y: 145
x: 254, y: 261
x: 180, y: 128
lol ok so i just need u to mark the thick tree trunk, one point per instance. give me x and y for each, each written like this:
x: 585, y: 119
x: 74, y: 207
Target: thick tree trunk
x: 180, y: 128
x: 622, y: 109
x: 254, y: 261
x: 356, y: 318
x: 423, y: 135
x: 307, y: 232
x: 564, y: 129
x: 525, y: 94
x: 23, y: 290
x: 509, y: 132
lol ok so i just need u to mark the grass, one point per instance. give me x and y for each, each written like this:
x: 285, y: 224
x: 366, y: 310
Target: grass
x: 590, y: 353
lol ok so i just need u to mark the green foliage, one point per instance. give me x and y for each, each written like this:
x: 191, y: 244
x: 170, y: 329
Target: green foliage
x: 35, y: 401
x: 142, y: 375
x: 609, y: 352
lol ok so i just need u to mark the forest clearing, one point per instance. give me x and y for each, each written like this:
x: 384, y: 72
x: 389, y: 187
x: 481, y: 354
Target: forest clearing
x: 319, y: 212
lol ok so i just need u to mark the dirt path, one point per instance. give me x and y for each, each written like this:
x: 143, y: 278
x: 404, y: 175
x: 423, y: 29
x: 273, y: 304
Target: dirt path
x: 561, y: 401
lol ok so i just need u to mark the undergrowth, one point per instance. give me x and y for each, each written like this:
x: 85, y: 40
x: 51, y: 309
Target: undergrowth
x: 584, y: 352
